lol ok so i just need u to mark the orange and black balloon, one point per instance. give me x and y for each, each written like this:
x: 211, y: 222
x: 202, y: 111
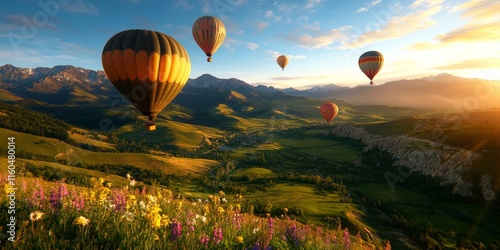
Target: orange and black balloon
x: 329, y: 111
x: 209, y: 33
x: 148, y: 68
x: 370, y: 63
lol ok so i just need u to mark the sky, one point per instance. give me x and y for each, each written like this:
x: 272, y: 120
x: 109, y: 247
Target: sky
x: 322, y: 38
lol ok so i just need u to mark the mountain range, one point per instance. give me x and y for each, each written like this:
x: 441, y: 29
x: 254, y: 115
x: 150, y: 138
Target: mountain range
x: 67, y: 92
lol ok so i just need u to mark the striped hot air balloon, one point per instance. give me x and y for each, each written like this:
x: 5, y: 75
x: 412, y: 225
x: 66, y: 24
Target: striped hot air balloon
x: 282, y: 61
x: 149, y: 68
x: 209, y: 33
x: 370, y: 63
x: 329, y: 111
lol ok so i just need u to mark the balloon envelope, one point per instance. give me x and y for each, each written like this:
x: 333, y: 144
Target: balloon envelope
x: 282, y: 61
x: 147, y: 67
x: 370, y: 63
x: 209, y: 33
x: 329, y: 111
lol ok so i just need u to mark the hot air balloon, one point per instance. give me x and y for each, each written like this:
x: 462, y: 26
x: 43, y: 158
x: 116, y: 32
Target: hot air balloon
x: 282, y: 61
x: 209, y: 33
x: 329, y: 111
x: 370, y: 63
x: 148, y: 68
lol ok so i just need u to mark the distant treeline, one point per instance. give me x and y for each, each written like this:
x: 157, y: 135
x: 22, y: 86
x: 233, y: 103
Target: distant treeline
x: 30, y: 122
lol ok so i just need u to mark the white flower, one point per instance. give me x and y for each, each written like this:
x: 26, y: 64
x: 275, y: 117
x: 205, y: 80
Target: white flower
x: 128, y: 176
x: 132, y: 183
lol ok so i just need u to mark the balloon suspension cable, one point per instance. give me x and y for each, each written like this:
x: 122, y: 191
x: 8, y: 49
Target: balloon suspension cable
x: 150, y: 124
x: 209, y: 59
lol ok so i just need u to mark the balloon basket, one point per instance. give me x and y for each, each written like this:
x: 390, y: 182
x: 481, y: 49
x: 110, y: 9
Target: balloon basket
x: 151, y: 127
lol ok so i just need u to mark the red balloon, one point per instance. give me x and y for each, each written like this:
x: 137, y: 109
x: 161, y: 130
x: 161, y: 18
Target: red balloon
x: 329, y: 111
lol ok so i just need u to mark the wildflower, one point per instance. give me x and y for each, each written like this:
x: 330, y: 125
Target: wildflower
x: 132, y: 183
x: 239, y: 239
x: 128, y: 176
x: 62, y: 192
x: 285, y: 210
x: 119, y: 201
x: 152, y: 199
x: 347, y: 240
x: 128, y: 216
x: 143, y: 190
x: 153, y: 214
x: 220, y: 210
x: 176, y: 230
x: 217, y: 235
x: 36, y: 215
x: 157, y: 237
x: 142, y: 205
x: 165, y: 220
x: 108, y: 184
x: 237, y: 207
x: 81, y: 221
x: 204, y: 239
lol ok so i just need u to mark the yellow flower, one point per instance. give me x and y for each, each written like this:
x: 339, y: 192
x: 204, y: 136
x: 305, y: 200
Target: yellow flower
x: 165, y: 220
x: 108, y: 184
x: 34, y: 216
x: 179, y: 205
x: 237, y: 207
x: 239, y: 239
x: 157, y: 237
x: 220, y: 210
x: 285, y: 210
x: 82, y: 221
x: 101, y: 180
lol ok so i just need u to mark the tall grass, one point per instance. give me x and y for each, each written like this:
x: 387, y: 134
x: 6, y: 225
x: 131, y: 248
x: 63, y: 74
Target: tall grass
x: 59, y: 216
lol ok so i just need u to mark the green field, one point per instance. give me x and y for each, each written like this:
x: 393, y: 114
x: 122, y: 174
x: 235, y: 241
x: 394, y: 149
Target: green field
x: 58, y: 150
x: 325, y: 148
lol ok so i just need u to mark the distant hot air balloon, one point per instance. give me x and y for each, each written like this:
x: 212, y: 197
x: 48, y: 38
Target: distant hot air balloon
x: 370, y: 63
x: 148, y: 68
x: 329, y: 111
x: 209, y: 33
x: 282, y: 61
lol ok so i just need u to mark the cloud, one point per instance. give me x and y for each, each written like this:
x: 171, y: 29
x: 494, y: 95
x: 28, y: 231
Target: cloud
x: 369, y: 6
x: 397, y: 27
x: 312, y: 3
x: 269, y: 13
x: 285, y: 7
x: 184, y: 4
x: 473, y: 33
x: 261, y: 25
x: 318, y: 39
x: 28, y: 24
x: 80, y: 6
x: 252, y: 46
x: 479, y: 10
x: 480, y: 63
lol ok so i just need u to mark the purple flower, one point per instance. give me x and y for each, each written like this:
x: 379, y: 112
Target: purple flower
x: 119, y: 202
x: 205, y: 239
x: 218, y: 235
x: 79, y: 203
x: 347, y: 239
x: 237, y: 219
x: 176, y: 229
x: 62, y: 192
x: 54, y: 201
x: 292, y: 234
